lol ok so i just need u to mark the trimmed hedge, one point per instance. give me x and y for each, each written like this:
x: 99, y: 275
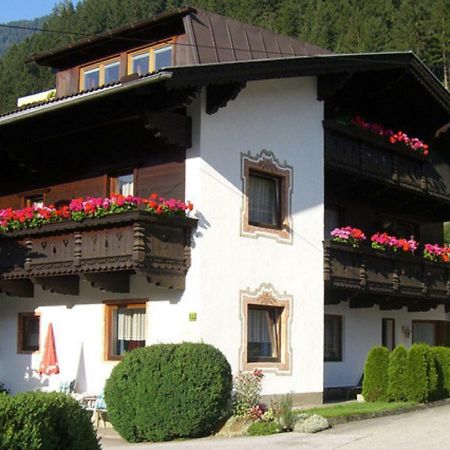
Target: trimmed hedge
x: 168, y: 391
x: 442, y: 360
x: 398, y: 375
x: 375, y: 381
x: 420, y: 375
x: 44, y: 421
x: 419, y: 384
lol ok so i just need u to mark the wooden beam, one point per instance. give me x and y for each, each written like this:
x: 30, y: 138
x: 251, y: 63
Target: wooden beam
x: 17, y: 288
x: 167, y: 280
x: 218, y: 95
x: 65, y: 285
x: 110, y: 281
x: 173, y: 128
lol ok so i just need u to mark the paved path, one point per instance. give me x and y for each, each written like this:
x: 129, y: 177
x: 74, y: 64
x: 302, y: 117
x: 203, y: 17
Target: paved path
x: 426, y: 429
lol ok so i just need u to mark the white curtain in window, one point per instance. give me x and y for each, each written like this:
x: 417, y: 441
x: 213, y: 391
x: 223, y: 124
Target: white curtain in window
x: 263, y: 200
x: 263, y: 329
x: 131, y: 324
x: 127, y: 188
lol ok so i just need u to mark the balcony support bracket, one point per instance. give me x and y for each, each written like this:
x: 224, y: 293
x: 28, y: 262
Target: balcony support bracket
x: 65, y: 285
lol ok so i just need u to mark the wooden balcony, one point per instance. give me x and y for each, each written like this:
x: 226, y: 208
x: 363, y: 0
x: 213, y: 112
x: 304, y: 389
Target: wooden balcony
x: 104, y: 252
x: 368, y: 156
x: 366, y: 277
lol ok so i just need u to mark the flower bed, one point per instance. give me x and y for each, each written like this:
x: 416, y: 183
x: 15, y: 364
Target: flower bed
x: 435, y: 252
x: 387, y: 243
x: 399, y: 137
x: 383, y: 241
x: 348, y: 235
x: 83, y: 208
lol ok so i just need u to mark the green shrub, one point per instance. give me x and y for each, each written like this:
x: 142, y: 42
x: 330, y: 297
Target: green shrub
x: 398, y: 375
x: 247, y: 388
x: 261, y: 428
x: 420, y: 385
x: 442, y: 361
x: 376, y: 375
x: 3, y: 388
x: 168, y: 391
x: 44, y: 421
x: 285, y: 415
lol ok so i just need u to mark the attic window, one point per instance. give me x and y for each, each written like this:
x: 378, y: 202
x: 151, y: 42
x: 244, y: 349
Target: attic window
x: 99, y: 74
x: 150, y: 59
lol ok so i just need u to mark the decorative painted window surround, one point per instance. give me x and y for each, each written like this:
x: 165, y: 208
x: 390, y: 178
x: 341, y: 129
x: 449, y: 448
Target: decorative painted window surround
x: 267, y: 297
x: 112, y: 308
x: 266, y: 164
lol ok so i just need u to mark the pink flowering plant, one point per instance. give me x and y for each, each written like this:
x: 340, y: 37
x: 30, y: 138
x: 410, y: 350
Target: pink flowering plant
x: 348, y: 235
x: 399, y: 137
x: 89, y: 207
x: 436, y: 252
x: 247, y: 393
x: 383, y: 241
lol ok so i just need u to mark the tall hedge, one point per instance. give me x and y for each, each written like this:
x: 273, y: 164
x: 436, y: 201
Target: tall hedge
x: 44, y: 421
x: 398, y: 374
x: 442, y: 360
x: 168, y: 391
x: 375, y: 382
x: 422, y: 375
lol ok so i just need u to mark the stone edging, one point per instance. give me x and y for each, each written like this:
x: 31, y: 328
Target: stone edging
x: 364, y: 416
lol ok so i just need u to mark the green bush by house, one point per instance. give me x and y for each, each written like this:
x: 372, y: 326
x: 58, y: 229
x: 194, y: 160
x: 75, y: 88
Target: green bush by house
x: 421, y: 376
x: 398, y: 375
x: 442, y: 361
x: 375, y: 382
x: 44, y: 421
x: 168, y: 391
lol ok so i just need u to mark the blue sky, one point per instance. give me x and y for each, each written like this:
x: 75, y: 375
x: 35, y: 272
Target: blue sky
x: 25, y: 9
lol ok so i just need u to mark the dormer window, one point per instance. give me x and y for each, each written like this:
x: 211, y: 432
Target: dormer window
x: 150, y: 59
x: 99, y: 74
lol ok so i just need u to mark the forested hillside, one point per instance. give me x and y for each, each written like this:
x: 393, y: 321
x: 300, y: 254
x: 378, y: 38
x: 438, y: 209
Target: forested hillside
x: 342, y: 26
x: 11, y: 35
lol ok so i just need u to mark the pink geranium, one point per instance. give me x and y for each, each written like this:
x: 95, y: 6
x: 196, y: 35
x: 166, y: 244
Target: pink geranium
x: 348, y: 235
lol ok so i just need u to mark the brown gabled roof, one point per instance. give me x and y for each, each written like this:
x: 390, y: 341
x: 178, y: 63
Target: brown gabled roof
x: 204, y: 37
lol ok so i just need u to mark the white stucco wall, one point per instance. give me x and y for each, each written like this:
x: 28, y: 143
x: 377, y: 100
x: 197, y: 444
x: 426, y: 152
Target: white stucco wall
x: 361, y: 330
x: 282, y: 116
x: 78, y: 324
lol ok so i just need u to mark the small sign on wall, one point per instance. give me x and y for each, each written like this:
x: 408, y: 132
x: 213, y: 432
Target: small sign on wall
x: 192, y: 317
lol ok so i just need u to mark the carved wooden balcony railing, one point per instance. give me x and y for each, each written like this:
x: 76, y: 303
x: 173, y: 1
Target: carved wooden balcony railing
x: 385, y: 274
x: 360, y: 153
x: 104, y: 252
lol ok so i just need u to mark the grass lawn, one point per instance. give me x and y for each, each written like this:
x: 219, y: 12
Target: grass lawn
x: 352, y: 408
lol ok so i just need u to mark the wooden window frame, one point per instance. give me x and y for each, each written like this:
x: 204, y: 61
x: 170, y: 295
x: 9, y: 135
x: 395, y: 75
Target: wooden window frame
x: 265, y: 164
x: 20, y: 331
x: 384, y: 321
x: 101, y: 66
x: 260, y: 359
x: 338, y: 358
x: 278, y: 183
x: 110, y: 306
x: 150, y: 51
x: 265, y: 297
x: 112, y: 180
x: 436, y: 324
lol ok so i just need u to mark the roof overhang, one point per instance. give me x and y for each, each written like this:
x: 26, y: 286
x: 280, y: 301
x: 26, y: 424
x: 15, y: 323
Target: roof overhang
x: 197, y: 76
